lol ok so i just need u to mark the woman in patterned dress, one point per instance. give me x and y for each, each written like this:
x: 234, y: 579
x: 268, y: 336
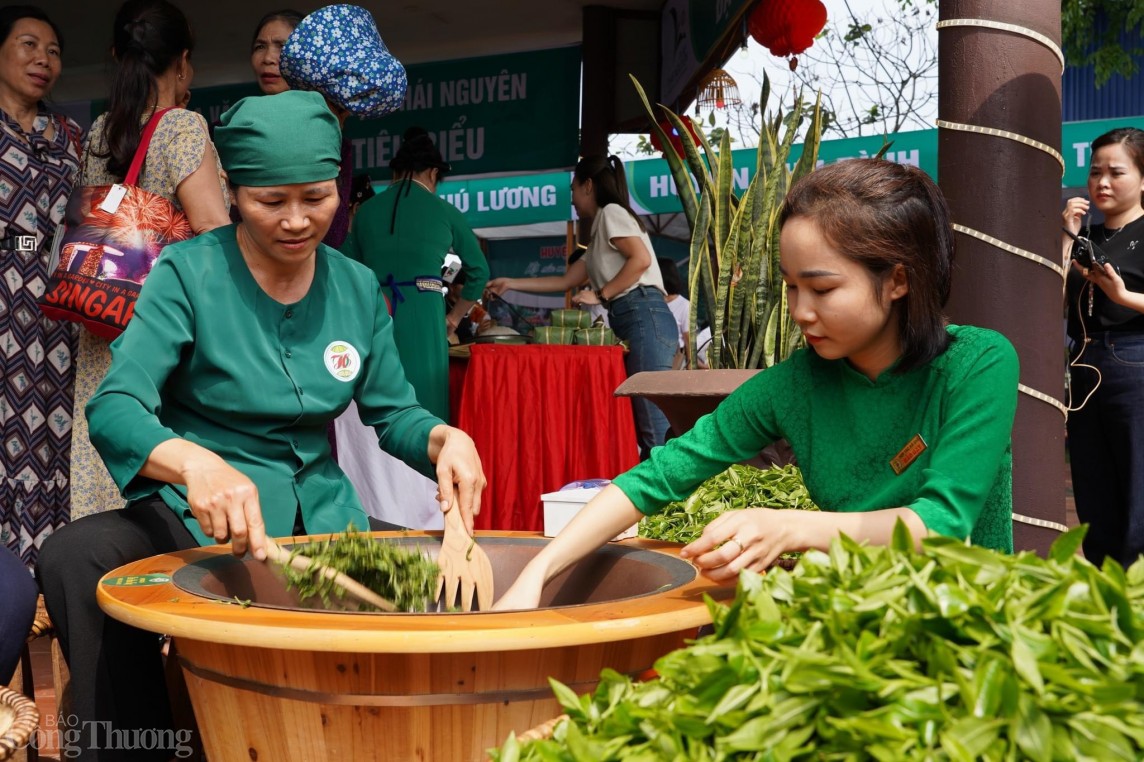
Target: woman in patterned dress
x: 152, y: 45
x: 39, y: 159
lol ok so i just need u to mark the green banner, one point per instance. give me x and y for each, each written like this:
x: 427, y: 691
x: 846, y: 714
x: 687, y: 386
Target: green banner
x: 518, y: 112
x: 526, y: 257
x: 653, y: 190
x: 511, y: 113
x: 1076, y: 145
x: 517, y: 200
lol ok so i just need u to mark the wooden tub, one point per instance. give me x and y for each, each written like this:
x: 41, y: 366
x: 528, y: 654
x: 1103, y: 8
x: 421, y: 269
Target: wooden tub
x: 284, y: 684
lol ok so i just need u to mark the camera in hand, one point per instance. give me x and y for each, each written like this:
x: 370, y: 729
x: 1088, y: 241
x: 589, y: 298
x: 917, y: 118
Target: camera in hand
x: 1086, y: 252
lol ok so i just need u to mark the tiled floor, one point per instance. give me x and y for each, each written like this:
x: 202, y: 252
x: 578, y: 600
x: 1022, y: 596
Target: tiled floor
x: 46, y: 696
x: 47, y: 740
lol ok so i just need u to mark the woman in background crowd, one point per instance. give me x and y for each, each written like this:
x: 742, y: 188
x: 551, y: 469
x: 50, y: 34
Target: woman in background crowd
x: 151, y: 44
x: 266, y: 49
x: 624, y: 274
x: 1106, y: 326
x: 679, y: 305
x: 338, y: 52
x: 361, y: 190
x: 476, y: 319
x: 41, y: 151
x: 403, y: 235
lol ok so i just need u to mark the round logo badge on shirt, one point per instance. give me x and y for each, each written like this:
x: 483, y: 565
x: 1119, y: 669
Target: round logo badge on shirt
x: 342, y: 360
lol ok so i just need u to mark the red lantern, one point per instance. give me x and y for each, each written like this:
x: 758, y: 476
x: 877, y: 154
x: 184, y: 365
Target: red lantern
x: 673, y: 136
x: 787, y: 27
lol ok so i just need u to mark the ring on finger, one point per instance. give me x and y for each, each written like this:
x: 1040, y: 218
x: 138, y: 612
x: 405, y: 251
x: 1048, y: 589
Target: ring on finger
x: 737, y: 543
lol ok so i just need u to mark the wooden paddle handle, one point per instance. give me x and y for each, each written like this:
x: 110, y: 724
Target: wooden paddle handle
x: 355, y: 589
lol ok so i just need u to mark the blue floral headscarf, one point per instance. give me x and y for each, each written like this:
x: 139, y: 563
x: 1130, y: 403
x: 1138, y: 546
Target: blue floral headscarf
x: 338, y: 51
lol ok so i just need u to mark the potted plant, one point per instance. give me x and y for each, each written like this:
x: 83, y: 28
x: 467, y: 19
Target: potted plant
x: 734, y: 270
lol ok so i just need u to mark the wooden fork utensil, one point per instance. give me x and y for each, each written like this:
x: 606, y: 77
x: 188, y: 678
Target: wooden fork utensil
x: 465, y: 567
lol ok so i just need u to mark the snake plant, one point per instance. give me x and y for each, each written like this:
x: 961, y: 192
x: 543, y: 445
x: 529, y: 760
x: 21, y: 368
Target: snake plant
x: 735, y: 239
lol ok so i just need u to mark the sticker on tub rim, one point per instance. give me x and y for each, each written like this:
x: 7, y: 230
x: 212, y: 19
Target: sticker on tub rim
x: 342, y: 360
x: 138, y: 580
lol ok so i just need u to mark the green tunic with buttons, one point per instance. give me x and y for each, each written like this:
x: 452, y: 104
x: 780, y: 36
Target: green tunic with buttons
x: 403, y: 235
x: 855, y: 438
x: 209, y: 357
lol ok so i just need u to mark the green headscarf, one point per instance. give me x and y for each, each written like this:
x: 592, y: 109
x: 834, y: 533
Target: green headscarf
x: 282, y: 139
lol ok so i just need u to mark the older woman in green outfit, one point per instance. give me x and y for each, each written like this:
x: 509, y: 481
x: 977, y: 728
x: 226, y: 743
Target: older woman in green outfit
x: 246, y: 342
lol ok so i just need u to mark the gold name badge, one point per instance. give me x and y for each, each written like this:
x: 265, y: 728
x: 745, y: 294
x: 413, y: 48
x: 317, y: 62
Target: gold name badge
x: 908, y: 454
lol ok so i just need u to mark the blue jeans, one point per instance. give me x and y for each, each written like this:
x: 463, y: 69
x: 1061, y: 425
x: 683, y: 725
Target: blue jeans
x: 642, y: 319
x: 1106, y: 447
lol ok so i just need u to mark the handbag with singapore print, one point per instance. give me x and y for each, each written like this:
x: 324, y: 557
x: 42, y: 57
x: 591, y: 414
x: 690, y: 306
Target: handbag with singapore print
x: 110, y: 239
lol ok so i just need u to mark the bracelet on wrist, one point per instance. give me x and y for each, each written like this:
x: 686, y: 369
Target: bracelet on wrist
x: 600, y: 295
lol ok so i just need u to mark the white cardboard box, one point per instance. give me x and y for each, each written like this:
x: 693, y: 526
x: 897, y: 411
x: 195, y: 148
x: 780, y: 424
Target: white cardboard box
x: 560, y: 507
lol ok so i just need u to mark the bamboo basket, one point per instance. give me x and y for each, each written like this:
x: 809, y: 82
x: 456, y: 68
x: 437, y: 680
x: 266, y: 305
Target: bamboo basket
x: 542, y: 731
x: 19, y: 719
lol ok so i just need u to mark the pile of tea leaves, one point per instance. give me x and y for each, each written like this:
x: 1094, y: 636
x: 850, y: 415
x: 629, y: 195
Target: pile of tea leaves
x: 401, y: 574
x: 736, y: 488
x: 954, y: 653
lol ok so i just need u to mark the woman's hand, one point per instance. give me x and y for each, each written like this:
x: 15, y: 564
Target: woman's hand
x: 225, y: 503
x: 748, y: 539
x: 585, y: 296
x: 222, y: 499
x: 499, y: 285
x: 524, y: 592
x: 1075, y: 209
x: 460, y: 478
x: 1108, y: 280
x: 606, y: 515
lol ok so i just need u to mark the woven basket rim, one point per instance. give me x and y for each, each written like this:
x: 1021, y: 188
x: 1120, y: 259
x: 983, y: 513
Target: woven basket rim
x: 42, y: 623
x: 25, y: 721
x: 542, y: 731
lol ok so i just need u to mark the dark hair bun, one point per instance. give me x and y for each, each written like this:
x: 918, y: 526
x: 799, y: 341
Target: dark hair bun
x: 417, y: 153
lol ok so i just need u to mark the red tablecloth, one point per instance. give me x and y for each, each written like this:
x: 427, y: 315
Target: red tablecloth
x: 543, y: 416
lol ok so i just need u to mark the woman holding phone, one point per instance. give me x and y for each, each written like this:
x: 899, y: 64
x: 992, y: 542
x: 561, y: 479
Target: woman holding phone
x: 1106, y: 328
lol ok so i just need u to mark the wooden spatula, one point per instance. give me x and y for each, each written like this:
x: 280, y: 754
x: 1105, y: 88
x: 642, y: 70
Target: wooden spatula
x: 464, y: 566
x: 352, y: 588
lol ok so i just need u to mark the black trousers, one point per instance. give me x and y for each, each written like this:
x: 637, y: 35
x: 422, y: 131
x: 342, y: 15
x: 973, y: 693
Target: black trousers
x: 117, y: 688
x: 1106, y: 448
x: 119, y: 701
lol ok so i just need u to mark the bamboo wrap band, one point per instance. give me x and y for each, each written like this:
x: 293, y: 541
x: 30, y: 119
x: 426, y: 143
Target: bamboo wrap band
x: 995, y: 242
x: 1002, y: 26
x: 994, y: 132
x: 1040, y: 523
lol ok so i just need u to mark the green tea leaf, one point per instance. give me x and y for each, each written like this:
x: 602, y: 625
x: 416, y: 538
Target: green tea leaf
x: 1065, y: 547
